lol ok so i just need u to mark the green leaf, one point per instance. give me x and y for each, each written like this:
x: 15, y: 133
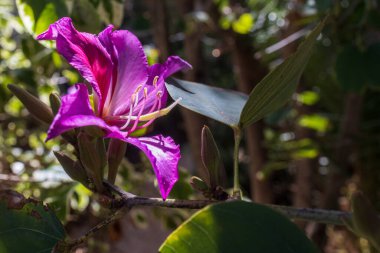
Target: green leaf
x: 216, y: 103
x: 27, y: 225
x: 237, y: 227
x: 279, y: 85
x: 244, y: 23
x: 315, y: 122
x: 37, y: 15
x: 85, y: 17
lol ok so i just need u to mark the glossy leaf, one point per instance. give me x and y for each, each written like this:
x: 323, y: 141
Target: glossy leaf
x: 27, y: 225
x: 237, y: 227
x: 216, y: 103
x: 279, y: 85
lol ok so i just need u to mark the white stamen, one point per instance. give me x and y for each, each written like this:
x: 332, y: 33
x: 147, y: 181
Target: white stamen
x: 155, y: 114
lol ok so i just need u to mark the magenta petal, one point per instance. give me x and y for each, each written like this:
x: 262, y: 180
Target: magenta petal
x: 76, y: 111
x: 84, y: 52
x: 174, y: 64
x: 132, y: 70
x: 164, y: 155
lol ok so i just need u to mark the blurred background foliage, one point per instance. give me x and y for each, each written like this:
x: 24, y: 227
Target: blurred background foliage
x: 313, y: 152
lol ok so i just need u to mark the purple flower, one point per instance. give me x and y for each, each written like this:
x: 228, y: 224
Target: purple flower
x: 128, y: 93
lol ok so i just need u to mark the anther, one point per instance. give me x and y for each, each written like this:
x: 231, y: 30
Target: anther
x: 155, y: 80
x: 145, y: 92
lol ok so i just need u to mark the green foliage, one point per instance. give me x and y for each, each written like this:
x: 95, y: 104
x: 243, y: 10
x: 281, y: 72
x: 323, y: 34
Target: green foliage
x: 27, y: 225
x: 207, y: 100
x: 237, y: 227
x: 244, y: 24
x: 315, y: 122
x: 280, y: 84
x: 37, y: 15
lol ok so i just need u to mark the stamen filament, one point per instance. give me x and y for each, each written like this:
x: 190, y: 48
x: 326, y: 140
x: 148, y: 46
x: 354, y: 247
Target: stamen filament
x: 155, y: 114
x: 129, y: 116
x: 138, y: 116
x: 152, y: 119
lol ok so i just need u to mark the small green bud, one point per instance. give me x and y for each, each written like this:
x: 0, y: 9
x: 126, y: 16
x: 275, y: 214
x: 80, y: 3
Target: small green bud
x: 210, y: 157
x: 93, y: 157
x: 35, y: 106
x: 115, y: 153
x: 55, y: 102
x: 198, y: 184
x: 72, y: 168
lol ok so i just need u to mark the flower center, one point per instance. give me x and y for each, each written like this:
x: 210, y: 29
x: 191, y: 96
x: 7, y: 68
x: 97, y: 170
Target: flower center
x: 140, y: 121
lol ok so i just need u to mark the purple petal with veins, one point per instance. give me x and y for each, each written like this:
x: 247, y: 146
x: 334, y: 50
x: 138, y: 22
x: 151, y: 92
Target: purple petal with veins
x: 129, y: 94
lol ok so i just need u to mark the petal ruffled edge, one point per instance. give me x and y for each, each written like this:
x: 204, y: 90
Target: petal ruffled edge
x: 84, y: 52
x: 164, y: 154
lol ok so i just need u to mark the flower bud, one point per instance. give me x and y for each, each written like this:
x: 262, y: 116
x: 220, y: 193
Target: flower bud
x: 35, y: 106
x: 93, y: 157
x: 72, y: 168
x: 115, y: 153
x: 210, y: 157
x: 198, y: 184
x: 55, y: 102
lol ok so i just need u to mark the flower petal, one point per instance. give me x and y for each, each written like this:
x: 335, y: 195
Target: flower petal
x: 162, y: 71
x: 76, y: 111
x: 164, y: 155
x: 84, y: 52
x: 132, y: 70
x: 174, y: 64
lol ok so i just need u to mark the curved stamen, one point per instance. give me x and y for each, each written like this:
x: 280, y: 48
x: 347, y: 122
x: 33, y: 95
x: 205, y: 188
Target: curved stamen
x: 152, y: 119
x: 155, y: 80
x: 140, y: 112
x: 129, y: 115
x: 151, y: 115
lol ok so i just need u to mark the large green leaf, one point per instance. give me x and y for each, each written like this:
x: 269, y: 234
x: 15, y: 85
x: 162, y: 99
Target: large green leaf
x: 237, y: 227
x: 216, y: 103
x: 279, y: 85
x: 27, y: 225
x: 37, y: 15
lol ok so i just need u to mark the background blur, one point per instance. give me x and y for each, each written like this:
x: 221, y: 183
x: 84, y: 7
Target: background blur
x: 314, y: 152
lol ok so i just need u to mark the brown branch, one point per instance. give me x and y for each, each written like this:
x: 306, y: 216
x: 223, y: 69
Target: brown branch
x: 127, y: 200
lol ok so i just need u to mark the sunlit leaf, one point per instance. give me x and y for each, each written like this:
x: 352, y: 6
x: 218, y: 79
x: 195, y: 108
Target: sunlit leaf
x: 37, y: 15
x: 279, y: 85
x: 244, y: 23
x: 216, y: 103
x: 308, y: 97
x: 237, y: 227
x: 315, y: 122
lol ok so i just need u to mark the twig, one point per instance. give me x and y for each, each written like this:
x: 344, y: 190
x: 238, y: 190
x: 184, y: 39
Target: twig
x: 128, y: 200
x: 318, y: 215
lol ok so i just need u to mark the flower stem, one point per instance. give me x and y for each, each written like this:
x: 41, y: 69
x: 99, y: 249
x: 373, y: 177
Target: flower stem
x: 236, y: 190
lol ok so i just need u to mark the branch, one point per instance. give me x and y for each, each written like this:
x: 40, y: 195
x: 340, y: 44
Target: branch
x: 318, y: 215
x: 128, y: 200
